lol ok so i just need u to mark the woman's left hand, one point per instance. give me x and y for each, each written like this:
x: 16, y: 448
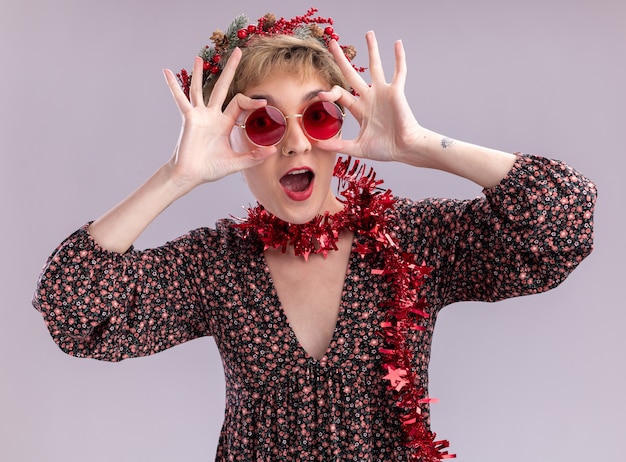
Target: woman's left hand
x: 388, y: 128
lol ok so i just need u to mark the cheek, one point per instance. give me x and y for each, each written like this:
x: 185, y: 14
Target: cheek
x: 248, y: 178
x: 329, y: 164
x: 254, y: 179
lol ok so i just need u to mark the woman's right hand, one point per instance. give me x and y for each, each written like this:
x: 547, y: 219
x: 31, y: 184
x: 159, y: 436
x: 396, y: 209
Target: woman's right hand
x: 203, y: 152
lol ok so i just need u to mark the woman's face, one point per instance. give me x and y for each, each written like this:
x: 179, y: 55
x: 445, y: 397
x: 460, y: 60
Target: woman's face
x: 294, y: 183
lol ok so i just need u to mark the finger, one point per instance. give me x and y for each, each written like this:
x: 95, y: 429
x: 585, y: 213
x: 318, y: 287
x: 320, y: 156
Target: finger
x: 177, y: 93
x: 195, y: 90
x: 399, y: 77
x: 376, y: 67
x: 220, y: 90
x: 239, y: 105
x: 340, y: 96
x: 254, y: 157
x: 341, y: 146
x: 345, y: 99
x: 351, y: 75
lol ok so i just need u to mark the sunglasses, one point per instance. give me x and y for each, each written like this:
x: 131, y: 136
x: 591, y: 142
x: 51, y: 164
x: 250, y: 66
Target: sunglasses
x: 266, y: 126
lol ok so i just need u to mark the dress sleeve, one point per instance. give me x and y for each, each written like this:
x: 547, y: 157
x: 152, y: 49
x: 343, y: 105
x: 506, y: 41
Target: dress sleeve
x: 112, y: 306
x: 525, y: 236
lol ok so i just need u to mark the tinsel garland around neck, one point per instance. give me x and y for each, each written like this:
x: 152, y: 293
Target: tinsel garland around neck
x: 367, y: 213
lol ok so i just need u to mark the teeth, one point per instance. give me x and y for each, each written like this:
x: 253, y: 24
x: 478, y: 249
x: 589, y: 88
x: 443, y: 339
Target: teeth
x: 298, y: 172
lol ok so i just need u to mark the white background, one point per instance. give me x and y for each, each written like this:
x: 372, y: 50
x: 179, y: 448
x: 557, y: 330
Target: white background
x: 86, y: 117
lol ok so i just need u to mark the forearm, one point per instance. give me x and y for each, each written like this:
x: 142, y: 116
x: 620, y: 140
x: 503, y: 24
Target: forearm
x: 117, y: 229
x: 484, y: 166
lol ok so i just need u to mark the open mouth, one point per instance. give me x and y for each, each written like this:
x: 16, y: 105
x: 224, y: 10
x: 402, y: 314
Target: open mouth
x: 298, y: 183
x: 297, y: 180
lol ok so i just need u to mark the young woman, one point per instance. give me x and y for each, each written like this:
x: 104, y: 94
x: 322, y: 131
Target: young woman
x: 322, y: 306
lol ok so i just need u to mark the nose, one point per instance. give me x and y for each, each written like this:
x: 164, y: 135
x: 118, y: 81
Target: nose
x: 295, y: 140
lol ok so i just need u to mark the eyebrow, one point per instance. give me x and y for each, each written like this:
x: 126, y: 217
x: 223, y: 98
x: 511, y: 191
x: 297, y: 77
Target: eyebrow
x: 308, y: 97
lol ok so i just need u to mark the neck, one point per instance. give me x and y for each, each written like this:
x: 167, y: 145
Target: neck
x: 295, y: 249
x: 362, y: 206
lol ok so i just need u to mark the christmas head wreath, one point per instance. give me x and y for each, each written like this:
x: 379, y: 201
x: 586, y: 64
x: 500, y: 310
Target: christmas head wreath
x: 241, y: 32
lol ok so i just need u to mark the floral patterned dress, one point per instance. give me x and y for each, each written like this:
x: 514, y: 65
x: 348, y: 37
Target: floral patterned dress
x: 524, y: 237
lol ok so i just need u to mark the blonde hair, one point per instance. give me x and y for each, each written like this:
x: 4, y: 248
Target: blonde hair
x: 262, y: 56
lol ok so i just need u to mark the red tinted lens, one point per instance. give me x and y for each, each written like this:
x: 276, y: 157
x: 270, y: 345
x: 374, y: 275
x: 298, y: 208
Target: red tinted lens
x: 265, y: 126
x: 322, y: 120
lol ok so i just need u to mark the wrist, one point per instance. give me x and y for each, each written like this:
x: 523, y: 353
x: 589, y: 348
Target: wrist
x: 484, y: 166
x: 174, y: 180
x: 424, y: 150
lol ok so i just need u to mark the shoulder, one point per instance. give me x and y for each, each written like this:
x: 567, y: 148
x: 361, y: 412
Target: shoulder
x: 228, y: 235
x: 432, y: 211
x: 223, y: 241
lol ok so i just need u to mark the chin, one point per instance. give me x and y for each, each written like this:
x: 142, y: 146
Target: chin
x: 296, y: 217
